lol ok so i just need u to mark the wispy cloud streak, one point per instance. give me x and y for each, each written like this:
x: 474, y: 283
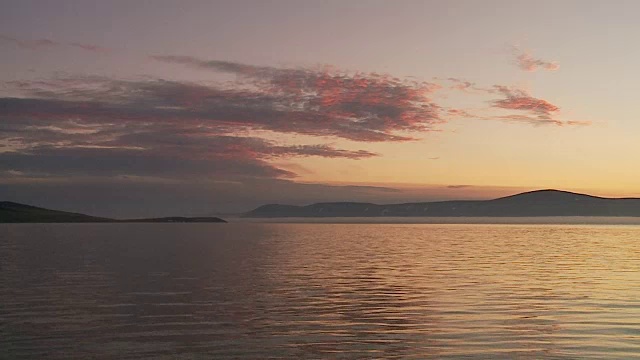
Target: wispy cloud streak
x: 536, y: 111
x: 28, y: 44
x: 47, y: 43
x: 527, y: 62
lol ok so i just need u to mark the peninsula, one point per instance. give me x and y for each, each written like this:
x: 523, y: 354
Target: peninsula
x: 11, y: 212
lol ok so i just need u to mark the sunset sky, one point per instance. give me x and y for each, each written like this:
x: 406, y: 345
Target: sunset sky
x: 150, y: 108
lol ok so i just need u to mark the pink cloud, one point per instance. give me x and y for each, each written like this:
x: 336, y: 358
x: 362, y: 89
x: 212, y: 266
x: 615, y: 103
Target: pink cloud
x: 460, y: 113
x: 461, y: 85
x: 536, y: 111
x: 517, y: 99
x: 369, y: 100
x: 525, y: 61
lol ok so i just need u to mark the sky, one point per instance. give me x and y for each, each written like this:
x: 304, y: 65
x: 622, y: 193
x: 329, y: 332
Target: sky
x: 157, y: 108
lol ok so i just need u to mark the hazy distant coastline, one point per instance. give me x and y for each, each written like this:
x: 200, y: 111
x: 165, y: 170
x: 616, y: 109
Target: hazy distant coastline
x: 452, y: 220
x: 540, y: 203
x: 547, y: 206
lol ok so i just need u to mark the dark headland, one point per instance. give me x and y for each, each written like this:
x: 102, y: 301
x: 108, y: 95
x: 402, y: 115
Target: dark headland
x: 11, y: 212
x: 528, y: 204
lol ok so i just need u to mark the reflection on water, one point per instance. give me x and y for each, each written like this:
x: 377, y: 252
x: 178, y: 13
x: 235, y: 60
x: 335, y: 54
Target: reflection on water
x: 239, y: 290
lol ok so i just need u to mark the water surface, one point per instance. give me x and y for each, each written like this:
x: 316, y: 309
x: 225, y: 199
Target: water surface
x: 345, y: 291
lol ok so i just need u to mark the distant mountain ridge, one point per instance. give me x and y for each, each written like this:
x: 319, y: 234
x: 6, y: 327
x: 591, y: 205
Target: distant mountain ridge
x: 12, y: 212
x: 547, y: 202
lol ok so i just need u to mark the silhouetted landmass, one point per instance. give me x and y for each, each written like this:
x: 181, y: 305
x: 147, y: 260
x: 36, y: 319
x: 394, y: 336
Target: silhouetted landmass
x: 11, y: 212
x: 176, y: 219
x: 14, y: 212
x: 534, y: 203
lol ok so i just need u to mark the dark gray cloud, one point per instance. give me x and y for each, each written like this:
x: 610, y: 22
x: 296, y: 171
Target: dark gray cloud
x: 143, y: 149
x: 60, y: 162
x: 151, y: 127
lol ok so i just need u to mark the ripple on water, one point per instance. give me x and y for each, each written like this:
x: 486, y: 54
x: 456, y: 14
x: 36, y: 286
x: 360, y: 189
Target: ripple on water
x: 348, y: 291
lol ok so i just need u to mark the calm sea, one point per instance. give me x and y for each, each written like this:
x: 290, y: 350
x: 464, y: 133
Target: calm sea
x: 305, y: 291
